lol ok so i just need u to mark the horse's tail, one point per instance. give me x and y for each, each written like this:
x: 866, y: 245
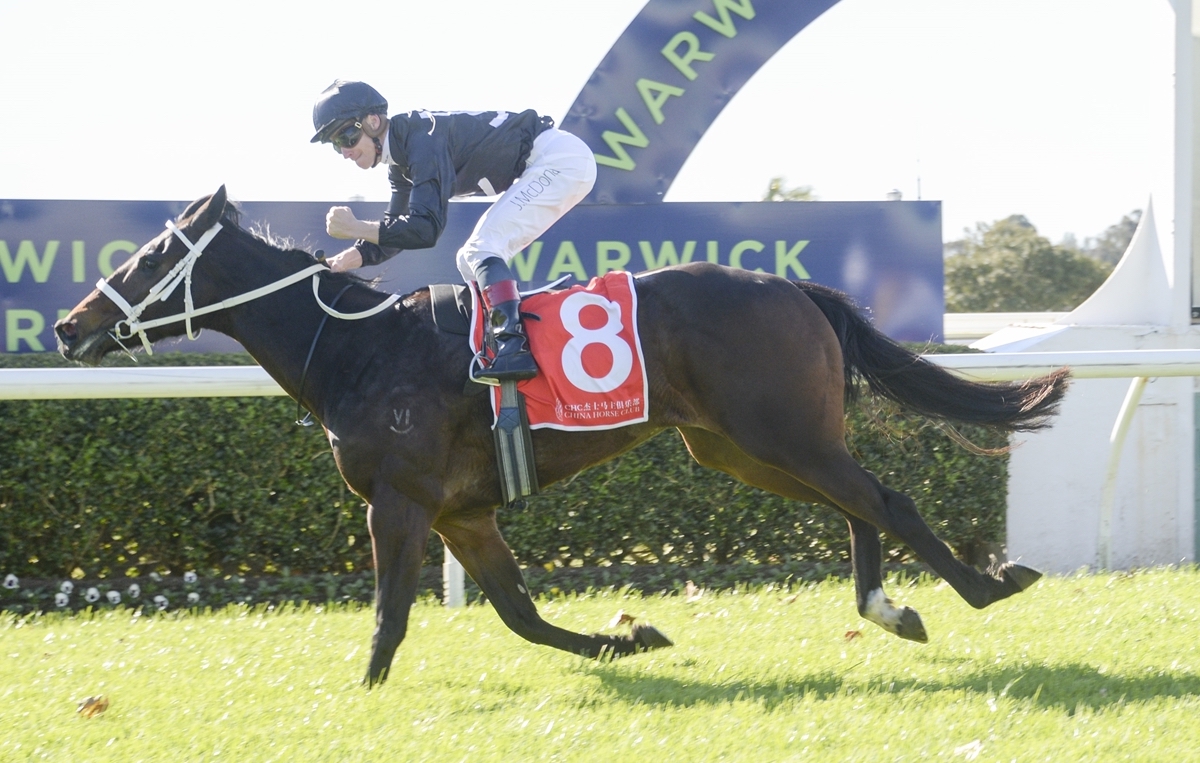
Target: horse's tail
x: 893, y: 372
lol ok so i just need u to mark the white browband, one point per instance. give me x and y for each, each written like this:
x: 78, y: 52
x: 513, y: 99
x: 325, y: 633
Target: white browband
x: 182, y: 273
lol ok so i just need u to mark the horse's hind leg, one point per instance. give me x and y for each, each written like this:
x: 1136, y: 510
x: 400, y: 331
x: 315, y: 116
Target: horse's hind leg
x: 873, y: 604
x: 476, y: 542
x: 858, y: 493
x: 866, y: 555
x: 901, y: 519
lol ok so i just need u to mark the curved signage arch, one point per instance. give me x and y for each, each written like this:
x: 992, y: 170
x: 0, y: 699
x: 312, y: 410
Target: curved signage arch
x: 667, y: 78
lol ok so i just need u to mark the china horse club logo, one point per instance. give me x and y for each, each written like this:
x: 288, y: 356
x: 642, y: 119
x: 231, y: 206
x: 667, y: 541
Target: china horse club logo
x: 591, y: 374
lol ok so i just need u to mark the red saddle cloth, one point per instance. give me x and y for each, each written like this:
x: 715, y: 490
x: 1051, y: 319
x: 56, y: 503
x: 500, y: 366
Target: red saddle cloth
x: 591, y: 371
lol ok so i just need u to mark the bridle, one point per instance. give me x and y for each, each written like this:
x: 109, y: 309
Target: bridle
x: 182, y: 273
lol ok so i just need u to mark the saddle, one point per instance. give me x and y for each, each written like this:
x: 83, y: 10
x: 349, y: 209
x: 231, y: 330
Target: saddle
x: 452, y: 306
x: 452, y: 309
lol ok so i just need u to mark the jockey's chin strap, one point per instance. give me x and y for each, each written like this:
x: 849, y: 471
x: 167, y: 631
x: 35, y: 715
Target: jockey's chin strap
x: 182, y: 273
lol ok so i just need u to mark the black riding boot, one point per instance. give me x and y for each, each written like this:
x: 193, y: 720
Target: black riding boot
x: 512, y: 361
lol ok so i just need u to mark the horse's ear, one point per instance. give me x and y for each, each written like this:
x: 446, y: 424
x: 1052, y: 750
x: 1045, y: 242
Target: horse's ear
x: 206, y: 212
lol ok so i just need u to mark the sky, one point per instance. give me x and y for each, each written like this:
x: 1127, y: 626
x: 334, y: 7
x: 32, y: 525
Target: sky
x: 1029, y: 107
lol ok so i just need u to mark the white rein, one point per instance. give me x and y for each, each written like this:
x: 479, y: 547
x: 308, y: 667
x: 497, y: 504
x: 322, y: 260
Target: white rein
x: 182, y: 273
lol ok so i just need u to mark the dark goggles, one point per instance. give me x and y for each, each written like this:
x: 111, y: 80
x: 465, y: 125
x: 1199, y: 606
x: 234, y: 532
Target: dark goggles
x: 347, y: 137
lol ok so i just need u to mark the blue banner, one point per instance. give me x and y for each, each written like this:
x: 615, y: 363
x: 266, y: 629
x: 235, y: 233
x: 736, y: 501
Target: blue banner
x: 888, y: 254
x: 667, y: 78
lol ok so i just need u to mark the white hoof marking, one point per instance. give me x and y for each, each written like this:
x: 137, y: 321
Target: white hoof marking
x: 882, y: 612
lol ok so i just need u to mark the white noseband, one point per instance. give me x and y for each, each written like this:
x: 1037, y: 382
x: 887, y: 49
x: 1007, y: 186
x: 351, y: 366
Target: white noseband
x: 182, y: 273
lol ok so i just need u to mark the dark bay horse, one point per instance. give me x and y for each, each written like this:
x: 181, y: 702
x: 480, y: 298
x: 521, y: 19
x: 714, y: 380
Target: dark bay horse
x: 752, y: 369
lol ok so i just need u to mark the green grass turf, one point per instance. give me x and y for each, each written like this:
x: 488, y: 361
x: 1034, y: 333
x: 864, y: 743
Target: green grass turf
x: 1078, y: 668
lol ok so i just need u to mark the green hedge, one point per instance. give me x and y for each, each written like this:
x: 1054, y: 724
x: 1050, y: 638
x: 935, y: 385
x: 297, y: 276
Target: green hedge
x: 231, y: 486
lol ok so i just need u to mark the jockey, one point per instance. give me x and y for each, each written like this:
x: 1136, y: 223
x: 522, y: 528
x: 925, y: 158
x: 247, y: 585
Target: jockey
x: 538, y: 171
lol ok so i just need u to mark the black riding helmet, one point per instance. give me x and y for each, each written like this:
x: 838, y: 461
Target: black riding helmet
x: 342, y: 101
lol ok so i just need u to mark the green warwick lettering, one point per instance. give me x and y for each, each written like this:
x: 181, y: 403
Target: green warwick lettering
x: 23, y: 326
x: 683, y: 49
x: 27, y: 255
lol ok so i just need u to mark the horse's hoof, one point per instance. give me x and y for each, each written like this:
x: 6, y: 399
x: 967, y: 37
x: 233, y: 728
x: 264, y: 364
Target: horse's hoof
x: 1020, y: 576
x: 904, y: 622
x: 649, y: 637
x: 910, y: 626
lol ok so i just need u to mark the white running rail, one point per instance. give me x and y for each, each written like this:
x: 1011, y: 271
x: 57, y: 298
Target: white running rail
x: 160, y: 381
x: 253, y: 381
x: 1084, y: 364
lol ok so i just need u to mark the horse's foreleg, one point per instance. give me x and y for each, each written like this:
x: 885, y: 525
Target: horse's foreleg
x: 399, y: 531
x: 484, y: 555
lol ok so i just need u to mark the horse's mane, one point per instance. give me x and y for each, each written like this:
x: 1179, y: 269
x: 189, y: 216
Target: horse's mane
x: 260, y: 235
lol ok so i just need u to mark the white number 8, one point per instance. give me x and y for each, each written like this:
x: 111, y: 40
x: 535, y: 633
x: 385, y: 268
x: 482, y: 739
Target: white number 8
x: 607, y: 335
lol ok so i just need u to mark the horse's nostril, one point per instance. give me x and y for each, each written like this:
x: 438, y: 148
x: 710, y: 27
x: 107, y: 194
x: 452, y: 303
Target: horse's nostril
x: 67, y: 331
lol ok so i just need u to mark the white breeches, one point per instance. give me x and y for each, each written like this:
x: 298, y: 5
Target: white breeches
x: 560, y: 171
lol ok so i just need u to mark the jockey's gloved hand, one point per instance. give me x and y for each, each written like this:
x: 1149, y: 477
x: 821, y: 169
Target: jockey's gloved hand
x: 347, y: 259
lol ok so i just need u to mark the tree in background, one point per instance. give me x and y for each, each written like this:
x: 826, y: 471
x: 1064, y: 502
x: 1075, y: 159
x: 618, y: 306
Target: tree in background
x: 1008, y: 267
x: 777, y: 192
x: 1113, y: 242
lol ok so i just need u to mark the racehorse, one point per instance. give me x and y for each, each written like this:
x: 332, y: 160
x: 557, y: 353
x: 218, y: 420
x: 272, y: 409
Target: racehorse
x: 753, y: 370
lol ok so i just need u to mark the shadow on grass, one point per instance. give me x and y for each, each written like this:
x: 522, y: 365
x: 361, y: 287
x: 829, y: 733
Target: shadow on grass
x: 670, y: 692
x: 1070, y: 687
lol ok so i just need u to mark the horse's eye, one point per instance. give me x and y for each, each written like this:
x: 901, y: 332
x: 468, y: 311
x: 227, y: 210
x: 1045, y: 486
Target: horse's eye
x: 149, y: 263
